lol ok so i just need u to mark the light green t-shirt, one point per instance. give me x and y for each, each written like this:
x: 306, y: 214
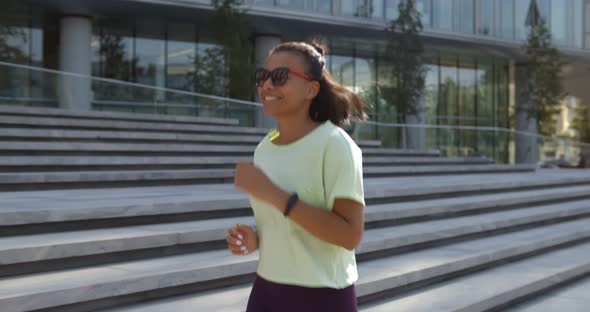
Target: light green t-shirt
x: 323, y: 165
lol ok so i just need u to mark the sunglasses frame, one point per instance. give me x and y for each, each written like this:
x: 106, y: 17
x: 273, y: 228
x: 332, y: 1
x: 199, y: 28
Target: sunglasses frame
x: 269, y: 74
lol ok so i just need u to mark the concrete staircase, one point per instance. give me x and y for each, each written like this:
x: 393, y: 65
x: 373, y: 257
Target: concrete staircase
x: 431, y: 238
x: 55, y: 149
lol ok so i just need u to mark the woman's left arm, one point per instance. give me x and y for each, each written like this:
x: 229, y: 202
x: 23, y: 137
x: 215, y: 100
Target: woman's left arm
x: 343, y: 226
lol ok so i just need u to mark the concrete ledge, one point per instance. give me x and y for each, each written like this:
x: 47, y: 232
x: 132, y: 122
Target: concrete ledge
x: 39, y: 291
x: 61, y: 113
x: 10, y: 121
x: 48, y: 206
x: 67, y: 161
x: 30, y: 248
x: 499, y: 287
x: 124, y: 147
x: 200, y: 174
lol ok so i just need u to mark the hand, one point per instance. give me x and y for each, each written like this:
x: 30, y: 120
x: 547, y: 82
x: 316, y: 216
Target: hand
x: 242, y: 240
x: 251, y: 180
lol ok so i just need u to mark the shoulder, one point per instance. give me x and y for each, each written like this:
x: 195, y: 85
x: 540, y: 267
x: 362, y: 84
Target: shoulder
x: 263, y: 144
x: 339, y: 143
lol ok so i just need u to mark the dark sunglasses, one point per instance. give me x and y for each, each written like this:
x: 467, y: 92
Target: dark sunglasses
x: 278, y: 76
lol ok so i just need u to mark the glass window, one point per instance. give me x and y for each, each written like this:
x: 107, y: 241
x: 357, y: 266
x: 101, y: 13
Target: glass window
x: 505, y: 18
x: 559, y: 21
x: 425, y: 9
x: 464, y: 18
x: 112, y: 47
x: 545, y: 8
x: 365, y: 81
x: 522, y: 9
x: 269, y: 3
x: 210, y: 76
x: 348, y: 7
x: 180, y: 56
x: 578, y: 23
x: 360, y: 8
x: 448, y: 90
x: 431, y: 84
x: 377, y: 9
x: 150, y: 52
x: 466, y: 106
x: 343, y: 70
x: 391, y: 9
x: 320, y: 6
x: 443, y: 14
x: 486, y: 18
x: 291, y: 4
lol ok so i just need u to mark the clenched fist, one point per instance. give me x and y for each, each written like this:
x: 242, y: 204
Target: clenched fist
x: 241, y: 240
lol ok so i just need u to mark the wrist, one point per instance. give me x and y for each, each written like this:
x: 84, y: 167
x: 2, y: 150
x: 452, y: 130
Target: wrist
x: 279, y: 199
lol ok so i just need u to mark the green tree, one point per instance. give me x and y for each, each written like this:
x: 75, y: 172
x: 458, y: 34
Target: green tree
x: 581, y: 122
x: 404, y: 54
x: 543, y: 69
x: 232, y: 32
x: 209, y: 75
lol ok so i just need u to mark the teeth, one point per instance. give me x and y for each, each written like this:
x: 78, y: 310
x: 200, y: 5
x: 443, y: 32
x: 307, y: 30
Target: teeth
x: 270, y: 98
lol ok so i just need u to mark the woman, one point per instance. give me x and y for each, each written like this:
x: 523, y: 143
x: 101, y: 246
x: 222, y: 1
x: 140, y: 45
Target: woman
x: 305, y: 187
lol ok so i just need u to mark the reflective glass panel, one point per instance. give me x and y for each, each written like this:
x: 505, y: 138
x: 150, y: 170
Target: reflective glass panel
x: 522, y: 8
x: 391, y: 9
x: 180, y: 55
x: 504, y: 11
x: 425, y: 9
x: 463, y: 12
x: 486, y: 17
x: 443, y: 14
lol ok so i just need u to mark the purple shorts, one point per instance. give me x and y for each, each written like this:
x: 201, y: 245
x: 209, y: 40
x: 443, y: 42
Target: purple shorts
x: 267, y: 296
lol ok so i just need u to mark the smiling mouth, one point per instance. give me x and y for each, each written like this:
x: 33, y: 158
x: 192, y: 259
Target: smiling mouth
x: 271, y: 98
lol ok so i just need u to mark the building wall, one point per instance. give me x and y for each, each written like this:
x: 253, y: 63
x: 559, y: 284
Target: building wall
x: 587, y: 25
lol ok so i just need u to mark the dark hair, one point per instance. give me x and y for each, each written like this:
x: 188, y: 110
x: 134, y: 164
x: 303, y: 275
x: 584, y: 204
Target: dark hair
x: 333, y: 101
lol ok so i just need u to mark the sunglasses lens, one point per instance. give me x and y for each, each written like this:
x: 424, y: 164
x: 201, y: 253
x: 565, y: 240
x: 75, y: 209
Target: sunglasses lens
x: 279, y: 76
x: 260, y: 76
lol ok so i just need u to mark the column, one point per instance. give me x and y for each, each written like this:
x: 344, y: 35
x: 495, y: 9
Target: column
x: 262, y: 45
x: 587, y: 24
x: 75, y: 57
x: 527, y: 149
x: 416, y: 136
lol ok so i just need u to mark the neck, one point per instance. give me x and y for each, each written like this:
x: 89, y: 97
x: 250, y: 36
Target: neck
x: 292, y: 129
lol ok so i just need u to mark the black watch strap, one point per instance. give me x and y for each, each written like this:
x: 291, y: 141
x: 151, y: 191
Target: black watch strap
x: 291, y: 203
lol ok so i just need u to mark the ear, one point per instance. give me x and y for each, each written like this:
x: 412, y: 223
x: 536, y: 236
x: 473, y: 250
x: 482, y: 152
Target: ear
x: 313, y: 88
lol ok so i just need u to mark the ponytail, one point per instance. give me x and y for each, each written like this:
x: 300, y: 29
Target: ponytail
x: 333, y: 101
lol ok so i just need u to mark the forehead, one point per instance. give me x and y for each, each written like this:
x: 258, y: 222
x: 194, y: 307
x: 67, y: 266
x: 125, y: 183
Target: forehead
x: 291, y: 60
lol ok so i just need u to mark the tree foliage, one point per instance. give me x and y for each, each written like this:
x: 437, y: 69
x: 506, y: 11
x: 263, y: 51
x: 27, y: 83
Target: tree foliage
x: 232, y: 32
x: 581, y: 122
x: 543, y: 70
x: 404, y: 53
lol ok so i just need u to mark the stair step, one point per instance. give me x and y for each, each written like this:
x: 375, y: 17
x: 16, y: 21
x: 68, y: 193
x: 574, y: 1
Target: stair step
x: 395, y: 273
x: 122, y: 125
x: 108, y: 135
x: 24, y: 146
x: 573, y: 297
x: 53, y: 135
x: 441, y: 170
x: 86, y: 115
x: 30, y: 248
x: 498, y: 287
x: 36, y: 207
x: 54, y: 163
x: 202, y: 175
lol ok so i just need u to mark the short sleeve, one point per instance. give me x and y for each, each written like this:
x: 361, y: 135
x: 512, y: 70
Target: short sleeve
x: 343, y: 171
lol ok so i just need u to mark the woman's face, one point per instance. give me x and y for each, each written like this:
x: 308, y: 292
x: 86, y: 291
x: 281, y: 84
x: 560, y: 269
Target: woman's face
x: 294, y: 96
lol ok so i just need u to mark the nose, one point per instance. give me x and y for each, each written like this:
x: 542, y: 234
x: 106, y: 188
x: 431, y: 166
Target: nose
x: 266, y: 84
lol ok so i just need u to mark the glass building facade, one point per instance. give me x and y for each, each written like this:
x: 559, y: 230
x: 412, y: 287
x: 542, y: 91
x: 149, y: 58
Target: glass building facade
x: 463, y: 87
x: 496, y: 18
